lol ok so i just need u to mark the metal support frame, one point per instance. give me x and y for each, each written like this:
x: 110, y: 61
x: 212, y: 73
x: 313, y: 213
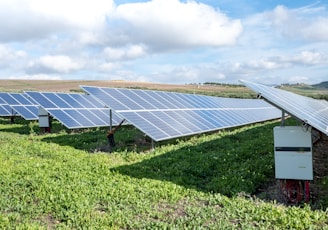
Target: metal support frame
x: 110, y: 120
x: 152, y: 145
x: 283, y: 114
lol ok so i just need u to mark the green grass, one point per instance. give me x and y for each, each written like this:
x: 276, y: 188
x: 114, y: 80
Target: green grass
x: 308, y: 91
x: 59, y: 181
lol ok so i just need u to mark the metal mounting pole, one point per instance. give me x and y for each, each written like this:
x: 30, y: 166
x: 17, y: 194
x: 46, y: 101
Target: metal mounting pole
x: 152, y: 145
x: 110, y: 120
x: 282, y: 118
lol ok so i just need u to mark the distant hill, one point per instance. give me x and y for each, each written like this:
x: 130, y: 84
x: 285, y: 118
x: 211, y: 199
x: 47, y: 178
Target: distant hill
x: 322, y: 85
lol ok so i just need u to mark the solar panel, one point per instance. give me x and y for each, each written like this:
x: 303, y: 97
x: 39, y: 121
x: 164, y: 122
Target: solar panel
x: 75, y: 110
x: 166, y: 115
x: 28, y: 112
x: 5, y: 110
x: 18, y: 104
x: 311, y: 111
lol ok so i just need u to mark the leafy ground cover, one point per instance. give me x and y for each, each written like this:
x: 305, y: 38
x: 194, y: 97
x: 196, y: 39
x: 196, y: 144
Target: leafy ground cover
x: 64, y: 181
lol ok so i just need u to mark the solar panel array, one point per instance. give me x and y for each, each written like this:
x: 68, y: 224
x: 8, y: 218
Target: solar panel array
x: 166, y: 115
x: 74, y: 110
x: 18, y: 104
x: 310, y: 111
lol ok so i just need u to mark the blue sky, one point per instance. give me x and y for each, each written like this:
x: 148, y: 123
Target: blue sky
x: 165, y: 41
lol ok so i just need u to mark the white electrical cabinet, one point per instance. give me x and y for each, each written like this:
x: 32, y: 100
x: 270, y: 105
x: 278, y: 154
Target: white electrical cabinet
x: 293, y: 153
x: 43, y: 118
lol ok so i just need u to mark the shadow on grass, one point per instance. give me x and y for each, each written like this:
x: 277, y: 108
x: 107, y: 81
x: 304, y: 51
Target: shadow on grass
x: 95, y: 139
x: 128, y: 138
x: 230, y: 164
x: 19, y: 126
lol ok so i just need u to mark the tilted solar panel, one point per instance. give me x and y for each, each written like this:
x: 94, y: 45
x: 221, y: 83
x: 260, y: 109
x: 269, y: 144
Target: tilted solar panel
x: 75, y: 110
x: 5, y: 110
x: 166, y: 115
x: 20, y: 105
x: 311, y: 111
x: 28, y: 112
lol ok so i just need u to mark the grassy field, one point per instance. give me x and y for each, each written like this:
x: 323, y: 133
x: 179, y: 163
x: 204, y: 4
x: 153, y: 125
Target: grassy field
x: 64, y: 181
x: 73, y: 86
x: 221, y: 180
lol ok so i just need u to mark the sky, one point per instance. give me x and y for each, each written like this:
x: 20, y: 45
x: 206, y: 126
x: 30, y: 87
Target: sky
x: 165, y: 41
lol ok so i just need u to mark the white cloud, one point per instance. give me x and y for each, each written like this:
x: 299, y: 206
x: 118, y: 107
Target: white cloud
x: 36, y: 77
x: 124, y: 53
x: 109, y: 66
x: 161, y: 40
x: 83, y: 13
x: 164, y: 24
x: 297, y: 79
x: 302, y: 23
x: 7, y: 54
x: 310, y: 58
x: 59, y: 64
x: 34, y: 19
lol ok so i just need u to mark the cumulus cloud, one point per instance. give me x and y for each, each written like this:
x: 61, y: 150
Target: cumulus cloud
x: 296, y: 23
x: 310, y: 58
x: 305, y: 58
x: 165, y: 24
x: 109, y: 66
x: 7, y: 54
x: 34, y: 19
x: 124, y: 53
x: 54, y: 64
x: 160, y: 40
x: 36, y: 77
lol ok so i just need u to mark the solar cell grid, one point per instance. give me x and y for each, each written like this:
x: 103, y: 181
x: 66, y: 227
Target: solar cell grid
x: 308, y: 110
x: 65, y: 118
x: 155, y: 103
x: 56, y: 100
x: 163, y: 98
x: 161, y: 124
x: 28, y: 112
x: 41, y: 99
x: 171, y: 118
x: 9, y: 99
x: 5, y: 111
x: 139, y: 99
x: 2, y: 102
x: 107, y: 98
x: 199, y: 123
x: 147, y: 127
x: 165, y: 115
x: 85, y: 100
x: 17, y: 104
x: 97, y: 121
x: 75, y: 110
x: 69, y: 99
x: 21, y: 99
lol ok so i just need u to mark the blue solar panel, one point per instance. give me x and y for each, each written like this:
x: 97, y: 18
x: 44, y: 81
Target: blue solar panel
x: 311, y: 111
x: 9, y: 99
x: 97, y: 119
x: 18, y: 104
x: 162, y: 125
x: 28, y: 112
x: 4, y: 112
x: 41, y: 99
x: 56, y: 100
x: 75, y: 110
x: 83, y: 118
x: 70, y: 101
x: 65, y: 118
x: 165, y: 115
